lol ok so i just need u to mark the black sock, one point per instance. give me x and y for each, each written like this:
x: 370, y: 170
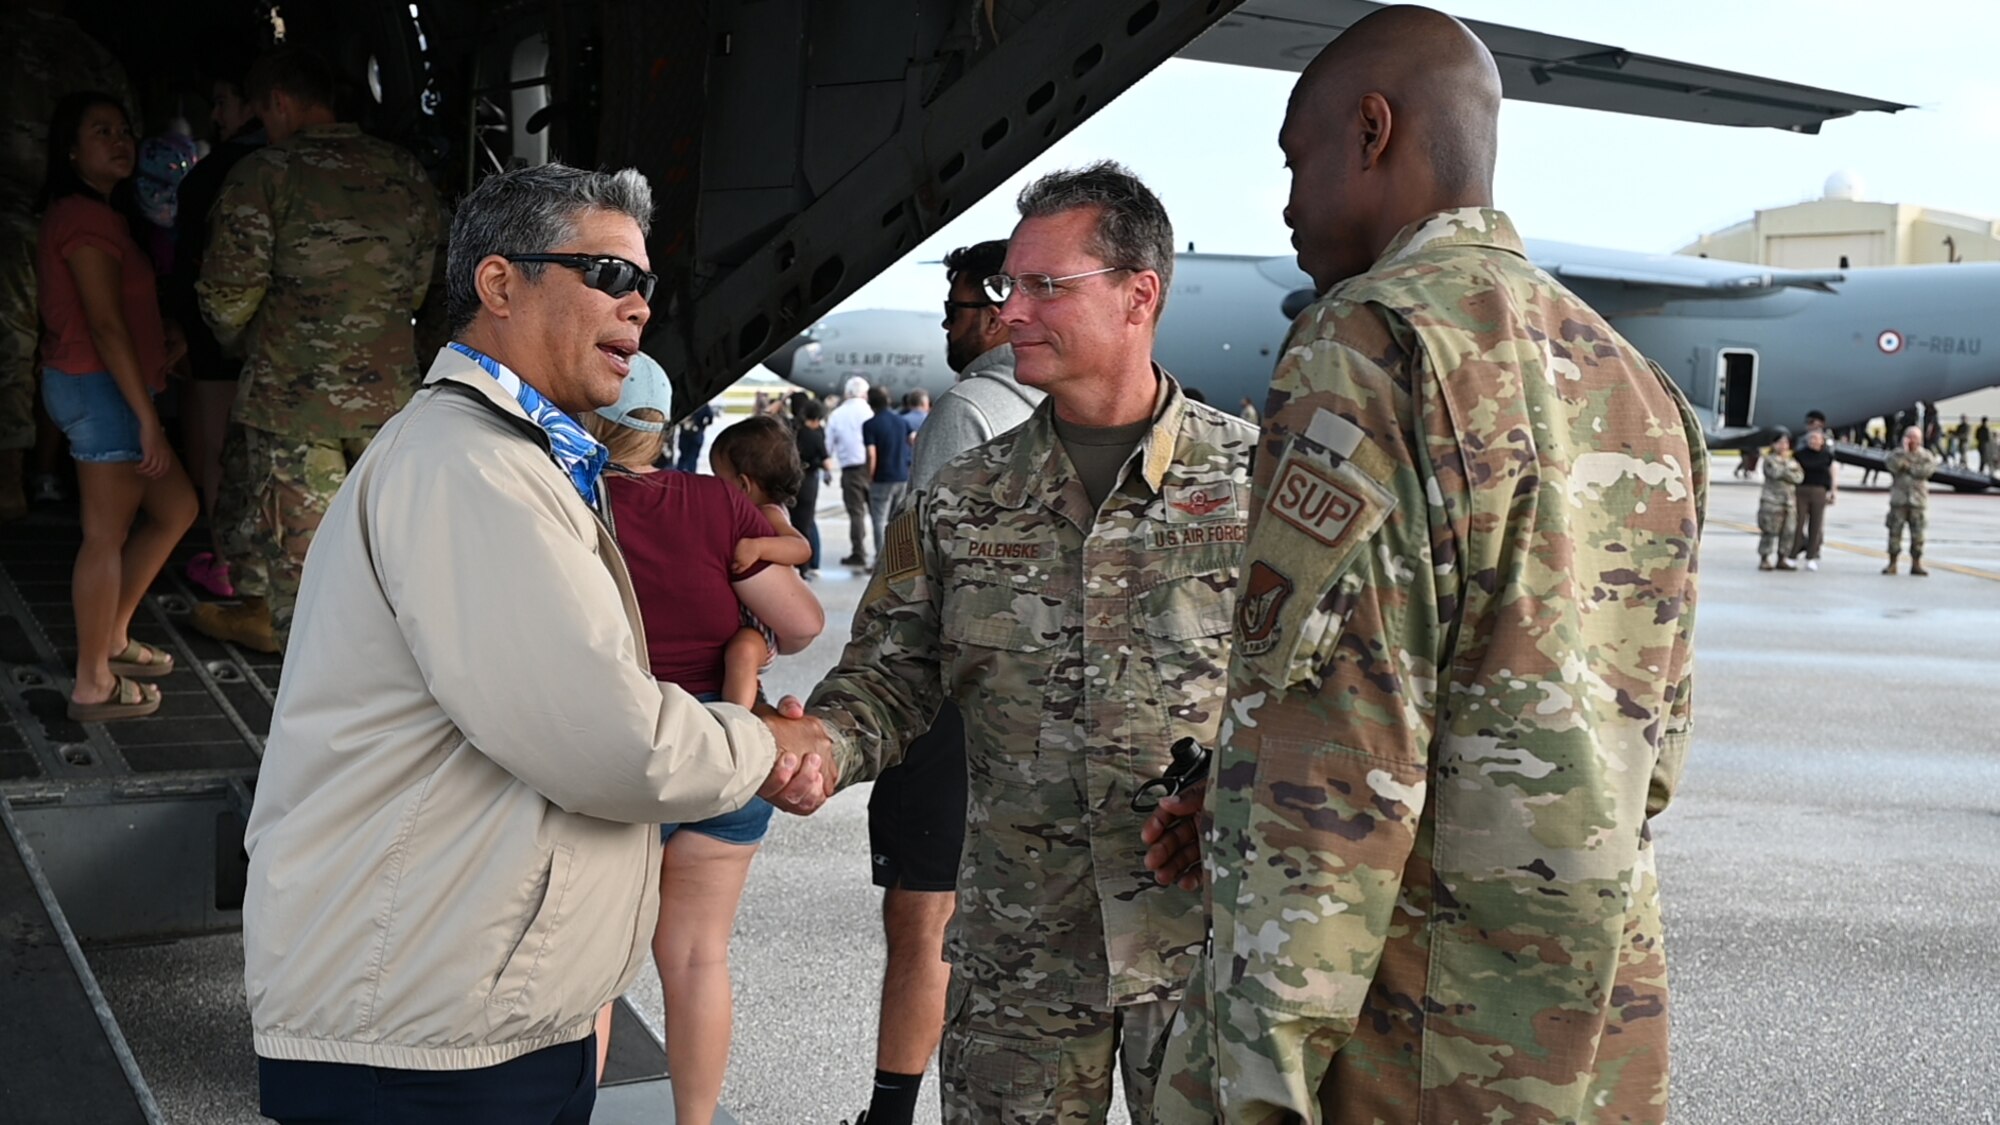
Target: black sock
x: 895, y: 1099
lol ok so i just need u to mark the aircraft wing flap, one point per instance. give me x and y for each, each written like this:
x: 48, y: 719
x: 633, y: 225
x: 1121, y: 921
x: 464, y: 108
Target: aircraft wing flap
x: 1539, y: 67
x: 1753, y: 282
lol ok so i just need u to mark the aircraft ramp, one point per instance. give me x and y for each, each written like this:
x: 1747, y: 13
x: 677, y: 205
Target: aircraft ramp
x: 1871, y: 457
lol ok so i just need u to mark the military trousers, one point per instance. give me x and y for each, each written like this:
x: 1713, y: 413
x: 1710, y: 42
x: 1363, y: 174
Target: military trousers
x: 294, y: 480
x: 1912, y: 516
x: 1007, y: 1060
x: 1776, y: 525
x: 20, y: 330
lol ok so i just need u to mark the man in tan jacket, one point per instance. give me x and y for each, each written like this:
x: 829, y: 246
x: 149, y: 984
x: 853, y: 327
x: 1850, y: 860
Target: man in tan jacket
x: 453, y: 847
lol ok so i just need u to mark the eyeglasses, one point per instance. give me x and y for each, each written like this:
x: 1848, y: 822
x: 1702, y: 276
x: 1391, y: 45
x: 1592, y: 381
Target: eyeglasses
x: 607, y: 274
x: 951, y: 307
x: 1037, y: 286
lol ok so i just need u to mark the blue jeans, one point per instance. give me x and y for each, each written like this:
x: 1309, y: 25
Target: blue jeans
x: 552, y: 1086
x: 746, y: 825
x: 91, y: 411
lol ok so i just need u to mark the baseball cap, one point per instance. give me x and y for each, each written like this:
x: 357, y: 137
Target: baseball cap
x: 646, y: 388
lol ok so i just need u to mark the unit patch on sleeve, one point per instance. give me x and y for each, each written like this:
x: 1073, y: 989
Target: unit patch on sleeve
x: 1265, y: 591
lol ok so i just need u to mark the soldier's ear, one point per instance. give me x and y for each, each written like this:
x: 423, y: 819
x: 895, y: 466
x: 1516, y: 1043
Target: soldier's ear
x: 1145, y: 305
x: 494, y: 280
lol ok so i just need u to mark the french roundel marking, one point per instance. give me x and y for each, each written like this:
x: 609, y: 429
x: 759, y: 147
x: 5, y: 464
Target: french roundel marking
x: 1890, y: 341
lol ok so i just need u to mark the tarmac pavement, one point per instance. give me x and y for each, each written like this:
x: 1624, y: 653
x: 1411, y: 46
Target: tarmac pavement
x: 1831, y: 866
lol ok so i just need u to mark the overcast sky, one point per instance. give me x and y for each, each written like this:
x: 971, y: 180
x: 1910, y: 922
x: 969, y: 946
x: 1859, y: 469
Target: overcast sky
x: 1205, y: 136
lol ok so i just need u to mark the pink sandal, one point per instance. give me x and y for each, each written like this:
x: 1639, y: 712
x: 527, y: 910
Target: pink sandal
x: 211, y: 574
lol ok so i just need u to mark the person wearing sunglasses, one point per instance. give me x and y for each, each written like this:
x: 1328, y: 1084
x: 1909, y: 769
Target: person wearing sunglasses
x: 322, y: 246
x: 1069, y: 586
x: 455, y: 846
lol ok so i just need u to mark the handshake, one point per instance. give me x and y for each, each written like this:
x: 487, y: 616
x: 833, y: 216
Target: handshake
x: 804, y: 775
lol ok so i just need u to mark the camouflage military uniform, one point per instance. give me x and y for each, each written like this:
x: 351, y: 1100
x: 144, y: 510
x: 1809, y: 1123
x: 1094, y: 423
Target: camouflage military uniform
x: 1778, y: 504
x: 1459, y: 693
x: 1909, y: 498
x: 47, y: 58
x: 323, y: 245
x: 1079, y: 646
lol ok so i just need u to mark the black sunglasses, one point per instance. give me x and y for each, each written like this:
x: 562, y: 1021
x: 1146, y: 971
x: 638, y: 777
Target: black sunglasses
x: 603, y: 272
x: 951, y: 307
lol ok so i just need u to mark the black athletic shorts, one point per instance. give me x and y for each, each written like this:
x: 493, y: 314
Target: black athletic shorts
x: 916, y: 815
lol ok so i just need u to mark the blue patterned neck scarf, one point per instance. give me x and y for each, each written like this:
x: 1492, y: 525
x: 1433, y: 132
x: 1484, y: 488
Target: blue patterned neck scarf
x: 574, y: 449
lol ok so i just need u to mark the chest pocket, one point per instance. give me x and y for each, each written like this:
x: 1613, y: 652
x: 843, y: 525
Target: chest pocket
x: 993, y: 612
x: 1186, y: 620
x: 1296, y: 589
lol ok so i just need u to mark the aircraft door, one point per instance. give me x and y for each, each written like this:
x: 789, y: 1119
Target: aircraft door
x: 1735, y: 386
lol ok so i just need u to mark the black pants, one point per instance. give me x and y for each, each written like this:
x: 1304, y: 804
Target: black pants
x: 552, y: 1086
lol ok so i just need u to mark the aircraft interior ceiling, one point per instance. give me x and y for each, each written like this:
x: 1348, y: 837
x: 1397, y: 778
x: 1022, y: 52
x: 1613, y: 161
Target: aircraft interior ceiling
x: 799, y: 147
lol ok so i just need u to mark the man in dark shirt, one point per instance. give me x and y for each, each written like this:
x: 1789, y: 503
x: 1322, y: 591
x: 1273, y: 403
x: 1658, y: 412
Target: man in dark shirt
x: 887, y: 439
x: 810, y: 419
x: 1815, y: 492
x: 693, y: 434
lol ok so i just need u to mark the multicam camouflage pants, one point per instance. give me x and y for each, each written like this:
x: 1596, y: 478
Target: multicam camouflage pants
x: 19, y: 328
x: 1913, y: 516
x: 293, y: 480
x: 1775, y: 526
x: 1009, y: 1062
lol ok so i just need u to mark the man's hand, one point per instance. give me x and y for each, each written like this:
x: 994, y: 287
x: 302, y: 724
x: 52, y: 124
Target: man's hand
x: 805, y: 775
x: 1173, y: 838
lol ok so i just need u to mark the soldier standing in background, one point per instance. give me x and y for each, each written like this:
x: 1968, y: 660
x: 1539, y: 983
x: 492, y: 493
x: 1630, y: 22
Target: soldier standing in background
x: 1068, y: 584
x: 323, y: 248
x: 1778, y: 505
x: 47, y: 58
x: 1910, y: 470
x: 1459, y: 691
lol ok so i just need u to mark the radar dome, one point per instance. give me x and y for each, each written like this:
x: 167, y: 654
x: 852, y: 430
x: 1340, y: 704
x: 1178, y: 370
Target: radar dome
x: 1843, y: 185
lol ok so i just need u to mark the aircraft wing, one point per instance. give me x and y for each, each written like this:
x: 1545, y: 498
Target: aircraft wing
x: 1675, y: 272
x: 1538, y: 67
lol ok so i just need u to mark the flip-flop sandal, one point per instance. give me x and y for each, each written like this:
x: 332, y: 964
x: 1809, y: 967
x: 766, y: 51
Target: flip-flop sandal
x: 142, y: 661
x: 136, y: 703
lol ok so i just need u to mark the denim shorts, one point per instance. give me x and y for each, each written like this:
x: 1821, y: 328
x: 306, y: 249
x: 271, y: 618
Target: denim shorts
x: 91, y: 412
x: 746, y: 825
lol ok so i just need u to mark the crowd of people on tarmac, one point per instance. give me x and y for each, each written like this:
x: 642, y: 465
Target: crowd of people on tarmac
x: 1291, y: 762
x: 1799, y: 484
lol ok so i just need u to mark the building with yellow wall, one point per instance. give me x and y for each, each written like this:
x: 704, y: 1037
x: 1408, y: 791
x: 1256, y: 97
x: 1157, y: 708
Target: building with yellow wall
x: 1843, y: 230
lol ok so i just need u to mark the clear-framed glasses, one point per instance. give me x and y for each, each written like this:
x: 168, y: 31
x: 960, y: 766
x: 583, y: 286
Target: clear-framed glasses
x: 1038, y: 286
x: 605, y: 273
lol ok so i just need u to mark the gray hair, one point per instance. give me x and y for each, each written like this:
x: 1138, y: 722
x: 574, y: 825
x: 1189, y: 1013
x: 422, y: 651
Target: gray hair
x: 1132, y: 225
x: 856, y: 387
x: 531, y: 211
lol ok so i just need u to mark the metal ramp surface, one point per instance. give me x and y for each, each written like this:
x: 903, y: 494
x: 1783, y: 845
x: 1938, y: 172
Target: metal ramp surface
x: 64, y: 1057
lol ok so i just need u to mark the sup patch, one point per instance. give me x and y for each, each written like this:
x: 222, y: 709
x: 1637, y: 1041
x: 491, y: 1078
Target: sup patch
x: 1309, y: 499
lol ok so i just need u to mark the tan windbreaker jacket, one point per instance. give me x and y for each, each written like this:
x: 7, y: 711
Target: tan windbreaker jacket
x: 453, y: 851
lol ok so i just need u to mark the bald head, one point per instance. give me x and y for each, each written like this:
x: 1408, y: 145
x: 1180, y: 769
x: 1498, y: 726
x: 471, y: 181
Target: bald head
x: 1396, y: 119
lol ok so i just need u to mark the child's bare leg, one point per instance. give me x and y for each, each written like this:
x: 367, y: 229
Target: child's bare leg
x: 742, y: 659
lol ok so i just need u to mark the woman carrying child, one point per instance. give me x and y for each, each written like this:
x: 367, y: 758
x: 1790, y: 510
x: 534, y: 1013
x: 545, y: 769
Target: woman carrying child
x: 697, y: 550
